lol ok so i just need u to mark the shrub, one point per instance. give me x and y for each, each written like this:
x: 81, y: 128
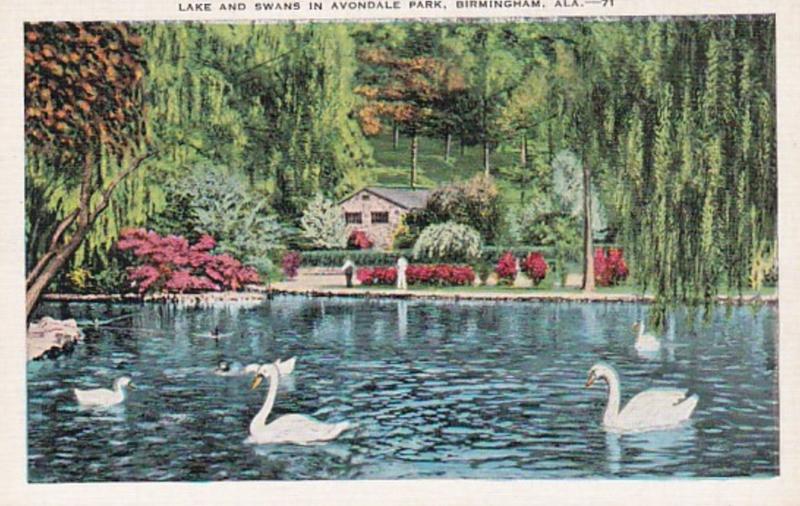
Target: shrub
x: 448, y: 241
x: 438, y: 274
x: 170, y: 264
x: 609, y: 267
x: 358, y: 240
x: 506, y: 268
x: 535, y: 267
x: 476, y: 202
x: 290, y: 264
x: 209, y: 201
x: 323, y: 225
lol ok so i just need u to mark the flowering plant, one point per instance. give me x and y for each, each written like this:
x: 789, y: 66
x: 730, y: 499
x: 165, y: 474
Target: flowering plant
x: 438, y: 274
x: 358, y: 240
x: 609, y: 267
x: 171, y: 264
x: 290, y: 264
x: 535, y: 266
x: 506, y: 268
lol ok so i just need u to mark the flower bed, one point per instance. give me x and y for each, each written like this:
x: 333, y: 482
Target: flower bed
x: 437, y: 274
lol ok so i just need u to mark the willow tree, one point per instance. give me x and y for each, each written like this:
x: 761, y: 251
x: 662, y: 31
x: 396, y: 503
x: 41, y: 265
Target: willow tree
x: 695, y: 143
x: 84, y: 132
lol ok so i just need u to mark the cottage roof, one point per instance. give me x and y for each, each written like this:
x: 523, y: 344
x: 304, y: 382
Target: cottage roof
x: 403, y: 197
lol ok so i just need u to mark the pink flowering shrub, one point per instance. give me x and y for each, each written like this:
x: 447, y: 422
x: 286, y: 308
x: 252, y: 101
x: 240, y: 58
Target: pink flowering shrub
x: 171, y: 264
x: 440, y: 274
x: 609, y: 267
x: 358, y: 240
x: 290, y: 264
x: 506, y: 268
x: 535, y: 266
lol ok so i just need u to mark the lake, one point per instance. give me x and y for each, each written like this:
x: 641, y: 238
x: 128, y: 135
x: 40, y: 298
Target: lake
x: 436, y: 389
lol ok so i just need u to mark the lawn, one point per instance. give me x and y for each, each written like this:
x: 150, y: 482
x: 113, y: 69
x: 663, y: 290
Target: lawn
x: 393, y: 166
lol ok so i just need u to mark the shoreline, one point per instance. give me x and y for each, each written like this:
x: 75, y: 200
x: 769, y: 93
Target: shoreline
x: 391, y: 293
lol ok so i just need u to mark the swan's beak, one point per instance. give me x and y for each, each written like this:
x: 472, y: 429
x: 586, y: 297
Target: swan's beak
x: 131, y: 386
x: 256, y: 382
x: 590, y: 381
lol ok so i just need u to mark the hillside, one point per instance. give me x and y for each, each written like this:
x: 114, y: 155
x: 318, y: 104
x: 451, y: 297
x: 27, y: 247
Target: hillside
x: 392, y: 165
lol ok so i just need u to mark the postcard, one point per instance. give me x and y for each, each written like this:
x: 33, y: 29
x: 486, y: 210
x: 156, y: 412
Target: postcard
x: 428, y: 252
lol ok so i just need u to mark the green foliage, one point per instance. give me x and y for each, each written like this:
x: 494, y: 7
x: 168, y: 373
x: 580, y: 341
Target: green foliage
x: 211, y: 201
x: 449, y: 241
x: 476, y: 202
x: 336, y: 258
x: 323, y: 225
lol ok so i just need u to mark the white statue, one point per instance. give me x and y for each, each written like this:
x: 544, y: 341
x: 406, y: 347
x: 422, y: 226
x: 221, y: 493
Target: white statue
x: 402, y: 265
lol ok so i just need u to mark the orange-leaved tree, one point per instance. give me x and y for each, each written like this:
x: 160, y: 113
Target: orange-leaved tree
x: 83, y: 103
x: 408, y: 91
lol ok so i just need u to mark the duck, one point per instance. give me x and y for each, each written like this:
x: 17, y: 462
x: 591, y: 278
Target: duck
x: 652, y: 409
x: 103, y: 397
x: 294, y: 428
x: 645, y: 342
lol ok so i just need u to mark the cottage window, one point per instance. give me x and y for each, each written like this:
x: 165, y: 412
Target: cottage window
x: 365, y: 197
x: 352, y: 217
x: 380, y: 217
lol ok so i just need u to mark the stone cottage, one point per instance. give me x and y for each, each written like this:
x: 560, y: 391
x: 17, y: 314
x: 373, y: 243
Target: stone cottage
x: 377, y: 211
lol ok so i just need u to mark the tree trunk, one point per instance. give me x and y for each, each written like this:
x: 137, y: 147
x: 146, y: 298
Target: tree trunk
x: 523, y: 153
x: 463, y: 144
x: 395, y: 136
x: 447, y: 143
x: 414, y: 149
x: 588, y: 247
x: 486, y: 157
x: 83, y: 218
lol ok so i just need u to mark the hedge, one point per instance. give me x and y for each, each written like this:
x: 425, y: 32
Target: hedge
x: 336, y: 258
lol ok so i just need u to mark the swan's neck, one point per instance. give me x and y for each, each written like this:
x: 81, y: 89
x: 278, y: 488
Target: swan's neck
x: 261, y: 417
x: 641, y: 329
x: 612, y: 408
x: 120, y: 391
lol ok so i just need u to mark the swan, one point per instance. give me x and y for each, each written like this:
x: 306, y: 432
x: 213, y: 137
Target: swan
x: 103, y: 396
x: 645, y: 342
x: 297, y: 429
x: 653, y: 409
x: 224, y: 368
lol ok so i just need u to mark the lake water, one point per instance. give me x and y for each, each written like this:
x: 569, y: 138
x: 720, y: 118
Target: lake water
x: 437, y: 390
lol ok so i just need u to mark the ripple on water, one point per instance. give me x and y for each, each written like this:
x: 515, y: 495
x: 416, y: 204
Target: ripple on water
x: 472, y: 390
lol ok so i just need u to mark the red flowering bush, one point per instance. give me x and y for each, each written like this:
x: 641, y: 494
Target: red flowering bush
x: 441, y: 274
x: 170, y: 264
x: 535, y: 266
x: 609, y: 267
x: 377, y: 275
x: 290, y: 264
x: 506, y: 268
x: 358, y: 240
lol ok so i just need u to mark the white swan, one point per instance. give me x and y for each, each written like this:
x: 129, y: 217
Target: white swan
x: 297, y: 429
x: 103, y: 396
x: 645, y: 342
x: 235, y: 369
x: 653, y: 409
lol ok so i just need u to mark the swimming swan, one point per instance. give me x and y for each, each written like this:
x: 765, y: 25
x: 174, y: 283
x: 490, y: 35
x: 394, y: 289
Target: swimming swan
x: 653, y: 409
x: 104, y: 396
x: 297, y: 429
x: 645, y: 342
x: 235, y: 369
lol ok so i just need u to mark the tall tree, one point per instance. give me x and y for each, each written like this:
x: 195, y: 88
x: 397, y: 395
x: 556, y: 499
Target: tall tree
x: 84, y: 130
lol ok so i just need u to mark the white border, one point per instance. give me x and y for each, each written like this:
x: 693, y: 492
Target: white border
x: 15, y: 490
